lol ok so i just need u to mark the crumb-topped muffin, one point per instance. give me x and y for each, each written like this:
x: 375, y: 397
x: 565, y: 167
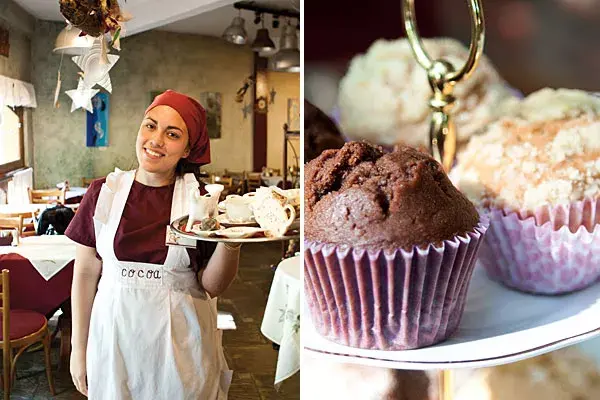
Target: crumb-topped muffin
x: 362, y: 197
x: 545, y: 152
x: 384, y: 96
x: 390, y: 247
x: 537, y: 171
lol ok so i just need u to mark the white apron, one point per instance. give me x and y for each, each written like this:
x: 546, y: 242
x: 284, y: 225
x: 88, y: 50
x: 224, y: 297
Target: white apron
x: 153, y: 330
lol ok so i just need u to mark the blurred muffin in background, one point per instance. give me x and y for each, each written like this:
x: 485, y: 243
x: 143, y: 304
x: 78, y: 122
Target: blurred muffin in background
x: 320, y: 132
x: 384, y: 96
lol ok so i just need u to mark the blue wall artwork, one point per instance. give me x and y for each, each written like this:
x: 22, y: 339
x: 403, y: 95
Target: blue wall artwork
x: 97, y: 122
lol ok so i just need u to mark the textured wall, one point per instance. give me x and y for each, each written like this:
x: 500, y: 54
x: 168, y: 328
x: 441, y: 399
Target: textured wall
x: 149, y: 61
x: 287, y: 86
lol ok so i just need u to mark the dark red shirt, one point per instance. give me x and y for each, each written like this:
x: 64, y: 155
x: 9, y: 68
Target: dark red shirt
x: 142, y: 231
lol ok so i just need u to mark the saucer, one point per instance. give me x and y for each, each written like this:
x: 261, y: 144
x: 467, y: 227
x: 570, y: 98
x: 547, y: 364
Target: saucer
x: 238, y: 232
x: 225, y: 222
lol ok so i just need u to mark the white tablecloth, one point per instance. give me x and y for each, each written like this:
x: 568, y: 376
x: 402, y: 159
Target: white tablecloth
x: 48, y: 254
x: 272, y: 180
x: 75, y: 192
x: 281, y: 322
x: 22, y: 209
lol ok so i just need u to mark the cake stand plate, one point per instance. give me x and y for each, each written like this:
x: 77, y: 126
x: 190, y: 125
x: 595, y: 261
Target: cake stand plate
x: 499, y: 326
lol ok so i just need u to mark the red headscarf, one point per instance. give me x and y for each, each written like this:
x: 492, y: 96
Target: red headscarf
x: 194, y: 116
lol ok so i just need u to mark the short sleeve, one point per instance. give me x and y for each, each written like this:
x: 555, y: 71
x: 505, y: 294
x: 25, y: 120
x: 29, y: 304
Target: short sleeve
x: 81, y: 228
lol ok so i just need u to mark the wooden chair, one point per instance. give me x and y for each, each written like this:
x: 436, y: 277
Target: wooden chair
x: 238, y: 181
x: 15, y: 223
x: 31, y: 329
x: 47, y: 196
x: 86, y: 182
x: 253, y: 181
x: 227, y: 183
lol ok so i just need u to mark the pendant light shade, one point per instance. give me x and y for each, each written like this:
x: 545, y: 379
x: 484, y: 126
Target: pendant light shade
x: 70, y: 43
x: 236, y: 33
x: 263, y: 42
x: 287, y: 58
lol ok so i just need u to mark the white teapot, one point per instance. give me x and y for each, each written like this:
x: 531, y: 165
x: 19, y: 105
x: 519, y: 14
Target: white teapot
x: 272, y: 211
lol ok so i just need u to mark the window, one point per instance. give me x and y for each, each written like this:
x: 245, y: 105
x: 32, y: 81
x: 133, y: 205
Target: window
x: 11, y: 139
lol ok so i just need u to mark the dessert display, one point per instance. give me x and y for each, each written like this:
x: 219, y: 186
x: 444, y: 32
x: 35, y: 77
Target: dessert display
x: 384, y: 96
x: 390, y: 247
x: 269, y: 212
x: 536, y: 172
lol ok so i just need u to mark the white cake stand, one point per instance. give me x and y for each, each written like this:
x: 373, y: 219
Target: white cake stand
x: 499, y: 326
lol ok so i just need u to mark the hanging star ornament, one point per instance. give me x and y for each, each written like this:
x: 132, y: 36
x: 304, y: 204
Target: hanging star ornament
x: 82, y: 96
x: 95, y: 66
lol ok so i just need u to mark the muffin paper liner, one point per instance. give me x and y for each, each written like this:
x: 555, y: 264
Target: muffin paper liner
x: 390, y: 299
x: 552, y: 250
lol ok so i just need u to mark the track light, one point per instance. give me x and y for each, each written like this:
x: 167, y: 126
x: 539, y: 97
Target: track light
x: 287, y: 58
x: 236, y: 33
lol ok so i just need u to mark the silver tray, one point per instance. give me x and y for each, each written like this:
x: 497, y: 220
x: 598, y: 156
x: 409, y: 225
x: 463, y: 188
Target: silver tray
x: 292, y: 234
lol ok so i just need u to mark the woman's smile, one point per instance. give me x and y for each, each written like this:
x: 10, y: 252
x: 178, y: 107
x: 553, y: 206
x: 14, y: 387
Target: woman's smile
x: 153, y: 154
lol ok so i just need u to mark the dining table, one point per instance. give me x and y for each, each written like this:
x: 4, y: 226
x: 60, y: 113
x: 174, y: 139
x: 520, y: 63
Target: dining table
x: 281, y: 321
x: 41, y: 273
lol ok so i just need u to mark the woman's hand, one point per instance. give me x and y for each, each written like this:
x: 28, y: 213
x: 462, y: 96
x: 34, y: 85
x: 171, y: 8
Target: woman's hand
x: 79, y: 371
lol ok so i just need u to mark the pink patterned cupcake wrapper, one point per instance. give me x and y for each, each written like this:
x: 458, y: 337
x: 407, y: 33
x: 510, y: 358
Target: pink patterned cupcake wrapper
x: 552, y: 250
x: 389, y: 300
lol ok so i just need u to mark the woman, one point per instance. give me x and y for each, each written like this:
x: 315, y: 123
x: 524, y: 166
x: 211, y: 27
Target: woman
x: 147, y: 328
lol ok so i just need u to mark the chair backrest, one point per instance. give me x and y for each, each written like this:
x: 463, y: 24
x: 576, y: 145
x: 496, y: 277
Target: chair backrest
x: 86, y: 182
x: 226, y: 181
x: 47, y: 196
x: 5, y: 309
x: 15, y: 223
x: 253, y: 180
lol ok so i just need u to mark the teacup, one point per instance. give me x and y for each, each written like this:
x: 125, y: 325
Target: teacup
x: 232, y: 196
x: 239, y: 210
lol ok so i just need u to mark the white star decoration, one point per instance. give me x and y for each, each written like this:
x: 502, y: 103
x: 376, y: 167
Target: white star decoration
x: 95, y: 66
x: 82, y: 96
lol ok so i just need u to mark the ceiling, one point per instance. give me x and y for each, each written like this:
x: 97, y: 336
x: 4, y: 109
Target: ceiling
x: 202, y: 17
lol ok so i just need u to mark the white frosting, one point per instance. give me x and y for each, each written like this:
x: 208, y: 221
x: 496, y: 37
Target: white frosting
x: 525, y: 161
x: 384, y: 96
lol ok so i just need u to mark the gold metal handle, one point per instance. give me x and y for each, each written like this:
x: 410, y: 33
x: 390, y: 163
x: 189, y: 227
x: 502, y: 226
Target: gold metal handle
x: 442, y: 77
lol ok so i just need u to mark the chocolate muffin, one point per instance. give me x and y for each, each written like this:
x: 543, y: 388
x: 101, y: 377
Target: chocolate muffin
x: 390, y: 247
x: 363, y: 197
x: 320, y: 132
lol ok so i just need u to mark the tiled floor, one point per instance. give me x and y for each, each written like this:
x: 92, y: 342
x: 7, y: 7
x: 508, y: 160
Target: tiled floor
x: 248, y: 352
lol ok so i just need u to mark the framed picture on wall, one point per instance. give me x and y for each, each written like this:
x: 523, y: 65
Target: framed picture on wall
x: 211, y: 101
x: 4, y: 42
x: 293, y: 114
x: 97, y: 122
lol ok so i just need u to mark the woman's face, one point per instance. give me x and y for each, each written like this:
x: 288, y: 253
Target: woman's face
x: 162, y: 140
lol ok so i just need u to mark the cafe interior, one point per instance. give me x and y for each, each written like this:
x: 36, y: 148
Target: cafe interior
x: 70, y: 109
